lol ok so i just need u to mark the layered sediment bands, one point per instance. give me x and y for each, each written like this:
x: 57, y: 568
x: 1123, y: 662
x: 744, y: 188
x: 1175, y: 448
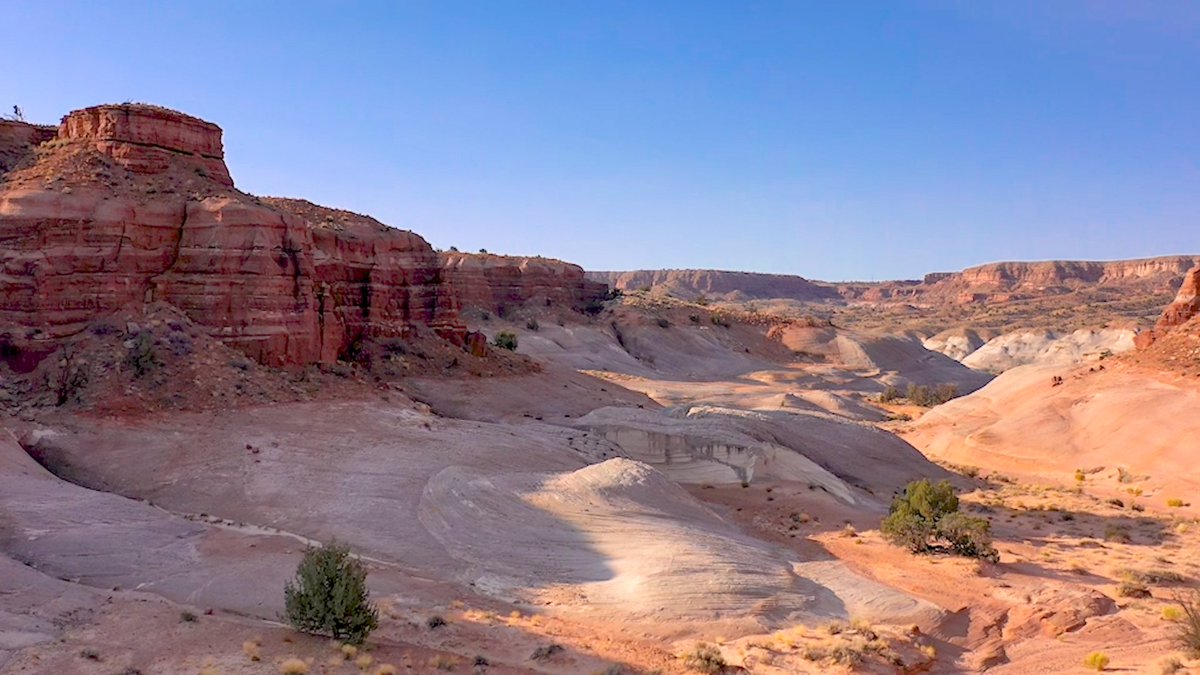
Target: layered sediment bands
x: 690, y: 284
x: 148, y: 139
x: 88, y: 229
x: 497, y: 283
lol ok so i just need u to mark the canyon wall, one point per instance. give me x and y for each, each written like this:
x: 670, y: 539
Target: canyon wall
x: 131, y: 204
x: 497, y: 283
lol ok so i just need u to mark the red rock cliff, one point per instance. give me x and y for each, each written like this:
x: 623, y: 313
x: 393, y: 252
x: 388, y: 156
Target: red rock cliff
x: 1185, y: 306
x: 132, y: 204
x: 497, y: 282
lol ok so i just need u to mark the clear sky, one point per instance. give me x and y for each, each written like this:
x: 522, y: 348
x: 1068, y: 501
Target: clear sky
x: 836, y: 140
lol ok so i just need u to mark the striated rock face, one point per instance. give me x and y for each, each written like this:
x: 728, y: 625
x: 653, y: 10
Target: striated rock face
x: 149, y: 139
x: 18, y: 140
x: 131, y: 205
x: 497, y: 283
x: 718, y: 284
x: 1185, y: 306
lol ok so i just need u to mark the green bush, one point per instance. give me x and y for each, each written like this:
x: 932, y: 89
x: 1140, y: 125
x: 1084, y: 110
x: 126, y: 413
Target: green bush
x: 925, y: 518
x: 891, y: 393
x: 329, y: 595
x: 505, y: 340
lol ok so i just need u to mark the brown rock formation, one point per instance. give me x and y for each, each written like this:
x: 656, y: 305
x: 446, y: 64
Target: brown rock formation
x: 133, y: 204
x: 498, y: 283
x: 1185, y: 306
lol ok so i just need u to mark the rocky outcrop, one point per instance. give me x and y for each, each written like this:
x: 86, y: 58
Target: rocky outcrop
x: 149, y: 139
x: 18, y: 140
x: 133, y: 204
x: 1185, y: 306
x: 497, y: 283
x: 717, y: 284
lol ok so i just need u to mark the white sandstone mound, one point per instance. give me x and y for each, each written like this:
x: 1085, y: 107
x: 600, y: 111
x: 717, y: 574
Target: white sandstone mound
x: 620, y: 536
x: 1048, y: 348
x: 957, y: 343
x: 713, y: 444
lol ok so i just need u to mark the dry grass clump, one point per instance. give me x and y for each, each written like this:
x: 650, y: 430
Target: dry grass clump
x: 1188, y: 635
x: 252, y: 650
x: 705, y: 658
x: 364, y: 661
x: 1171, y: 665
x: 1096, y: 661
x: 443, y: 662
x: 385, y: 669
x: 293, y: 666
x: 1175, y: 502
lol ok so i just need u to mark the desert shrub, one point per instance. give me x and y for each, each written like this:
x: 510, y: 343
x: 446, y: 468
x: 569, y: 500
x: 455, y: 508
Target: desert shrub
x: 70, y: 379
x: 663, y: 323
x: 968, y: 536
x: 1117, y: 534
x: 443, y: 662
x: 435, y: 621
x: 142, y: 357
x: 891, y: 393
x: 1171, y: 665
x: 702, y: 300
x: 505, y: 340
x: 329, y: 595
x: 927, y: 397
x: 532, y: 324
x: 1096, y: 661
x: 1188, y: 625
x: 188, y: 617
x: 719, y: 320
x: 1131, y: 588
x: 925, y: 518
x: 694, y: 318
x: 705, y: 658
x: 1175, y: 502
x: 364, y: 661
x: 546, y: 651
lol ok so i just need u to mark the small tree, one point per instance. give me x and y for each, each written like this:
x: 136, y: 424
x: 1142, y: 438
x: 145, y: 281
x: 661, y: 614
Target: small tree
x: 925, y: 518
x: 329, y: 595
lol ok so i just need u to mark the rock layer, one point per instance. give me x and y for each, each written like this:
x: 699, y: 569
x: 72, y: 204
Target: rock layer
x: 132, y: 204
x: 497, y: 283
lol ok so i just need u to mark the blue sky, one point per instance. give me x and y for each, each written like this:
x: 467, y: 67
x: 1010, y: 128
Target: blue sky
x: 836, y: 140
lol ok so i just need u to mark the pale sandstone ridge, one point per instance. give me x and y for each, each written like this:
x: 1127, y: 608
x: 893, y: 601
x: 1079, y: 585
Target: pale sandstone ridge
x: 148, y: 139
x: 497, y: 283
x: 133, y: 204
x: 689, y: 284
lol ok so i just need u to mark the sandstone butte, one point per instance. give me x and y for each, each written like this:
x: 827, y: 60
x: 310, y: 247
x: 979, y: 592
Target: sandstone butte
x: 132, y: 203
